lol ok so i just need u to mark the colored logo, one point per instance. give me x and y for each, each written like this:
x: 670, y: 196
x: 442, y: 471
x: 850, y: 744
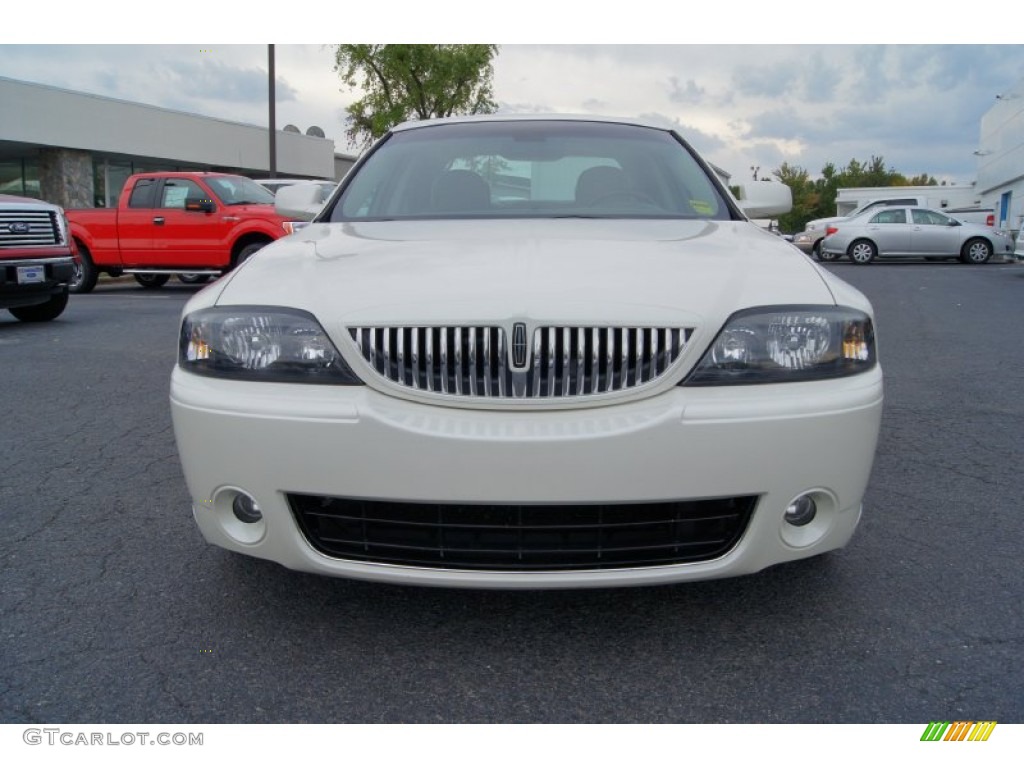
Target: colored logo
x: 18, y: 227
x: 959, y: 731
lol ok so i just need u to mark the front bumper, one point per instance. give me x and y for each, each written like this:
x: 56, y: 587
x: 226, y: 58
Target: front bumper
x: 831, y: 248
x: 805, y: 241
x: 56, y: 273
x: 774, y: 442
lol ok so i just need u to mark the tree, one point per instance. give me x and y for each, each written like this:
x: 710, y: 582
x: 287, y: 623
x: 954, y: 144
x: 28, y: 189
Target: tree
x: 805, y: 196
x: 403, y: 82
x: 816, y: 199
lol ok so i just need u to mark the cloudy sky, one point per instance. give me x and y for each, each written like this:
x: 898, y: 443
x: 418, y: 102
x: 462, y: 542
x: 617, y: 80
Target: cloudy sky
x: 916, y: 105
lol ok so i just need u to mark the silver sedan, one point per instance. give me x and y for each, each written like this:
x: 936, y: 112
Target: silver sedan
x: 915, y: 232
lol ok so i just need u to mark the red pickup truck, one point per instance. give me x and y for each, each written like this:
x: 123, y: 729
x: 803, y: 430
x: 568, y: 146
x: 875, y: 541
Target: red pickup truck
x: 193, y: 224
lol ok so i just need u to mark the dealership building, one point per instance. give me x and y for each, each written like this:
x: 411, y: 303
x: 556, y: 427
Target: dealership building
x: 1000, y: 156
x: 76, y: 149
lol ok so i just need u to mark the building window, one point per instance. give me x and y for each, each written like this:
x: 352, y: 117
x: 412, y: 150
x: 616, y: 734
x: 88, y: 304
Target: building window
x: 20, y: 177
x: 116, y: 173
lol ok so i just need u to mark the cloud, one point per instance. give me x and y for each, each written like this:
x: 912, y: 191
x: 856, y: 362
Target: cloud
x: 766, y: 80
x: 690, y: 93
x: 871, y: 80
x: 213, y: 79
x: 505, y: 107
x: 702, y: 141
x: 820, y: 79
x: 918, y: 106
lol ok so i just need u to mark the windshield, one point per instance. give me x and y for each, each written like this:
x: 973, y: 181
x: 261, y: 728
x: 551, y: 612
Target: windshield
x: 535, y: 169
x: 238, y: 190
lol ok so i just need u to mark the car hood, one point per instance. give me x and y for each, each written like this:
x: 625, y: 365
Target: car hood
x: 564, y: 271
x: 253, y: 211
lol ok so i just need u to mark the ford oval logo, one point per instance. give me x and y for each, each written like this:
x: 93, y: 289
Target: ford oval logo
x: 19, y: 227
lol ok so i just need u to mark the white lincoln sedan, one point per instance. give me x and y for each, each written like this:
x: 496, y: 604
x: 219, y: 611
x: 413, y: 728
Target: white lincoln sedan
x: 528, y: 352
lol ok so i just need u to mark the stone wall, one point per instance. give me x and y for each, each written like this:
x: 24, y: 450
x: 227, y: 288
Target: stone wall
x: 66, y: 178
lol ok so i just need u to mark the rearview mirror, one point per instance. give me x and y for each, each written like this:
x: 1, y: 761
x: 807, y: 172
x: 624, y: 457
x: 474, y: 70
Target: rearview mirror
x: 299, y: 201
x: 765, y: 199
x: 200, y: 204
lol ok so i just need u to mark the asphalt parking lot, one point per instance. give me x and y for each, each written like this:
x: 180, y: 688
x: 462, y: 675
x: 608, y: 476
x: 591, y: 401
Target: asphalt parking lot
x: 114, y: 610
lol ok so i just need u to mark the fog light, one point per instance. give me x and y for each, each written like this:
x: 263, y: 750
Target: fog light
x: 800, y: 511
x: 246, y: 509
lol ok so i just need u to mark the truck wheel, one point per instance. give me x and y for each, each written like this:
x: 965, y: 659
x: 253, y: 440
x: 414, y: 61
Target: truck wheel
x: 151, y: 281
x: 41, y: 313
x: 190, y: 278
x: 85, y: 274
x: 247, y: 251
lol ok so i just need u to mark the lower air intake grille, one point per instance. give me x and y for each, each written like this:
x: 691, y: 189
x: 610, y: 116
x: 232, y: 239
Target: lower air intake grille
x: 520, y: 537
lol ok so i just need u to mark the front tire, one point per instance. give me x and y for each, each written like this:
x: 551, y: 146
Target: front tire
x: 976, y: 251
x: 190, y: 278
x: 248, y: 251
x: 85, y: 274
x: 862, y: 252
x: 42, y: 313
x: 151, y: 281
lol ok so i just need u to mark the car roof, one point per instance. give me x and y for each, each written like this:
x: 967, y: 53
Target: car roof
x: 879, y: 208
x: 177, y: 174
x: 534, y: 117
x: 279, y: 180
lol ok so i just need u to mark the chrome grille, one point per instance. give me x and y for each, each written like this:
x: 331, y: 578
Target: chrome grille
x: 19, y: 229
x: 561, y: 361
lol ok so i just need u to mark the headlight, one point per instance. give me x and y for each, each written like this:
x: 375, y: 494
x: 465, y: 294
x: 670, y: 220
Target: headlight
x: 780, y: 344
x: 260, y: 344
x: 63, y: 227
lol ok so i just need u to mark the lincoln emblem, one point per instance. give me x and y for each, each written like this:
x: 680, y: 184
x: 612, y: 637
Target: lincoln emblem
x: 519, y: 345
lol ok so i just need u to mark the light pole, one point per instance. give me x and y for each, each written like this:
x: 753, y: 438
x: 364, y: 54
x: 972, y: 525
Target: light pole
x: 273, y: 117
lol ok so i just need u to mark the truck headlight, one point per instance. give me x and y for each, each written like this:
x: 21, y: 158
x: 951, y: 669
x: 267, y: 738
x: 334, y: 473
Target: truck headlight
x: 260, y: 344
x: 781, y: 344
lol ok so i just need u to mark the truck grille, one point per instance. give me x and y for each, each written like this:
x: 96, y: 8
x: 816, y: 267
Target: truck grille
x: 559, y: 361
x: 497, y: 537
x: 20, y: 229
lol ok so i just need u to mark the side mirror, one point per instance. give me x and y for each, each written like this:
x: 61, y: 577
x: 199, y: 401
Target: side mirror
x: 200, y: 204
x: 955, y: 223
x: 765, y: 199
x: 299, y: 201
